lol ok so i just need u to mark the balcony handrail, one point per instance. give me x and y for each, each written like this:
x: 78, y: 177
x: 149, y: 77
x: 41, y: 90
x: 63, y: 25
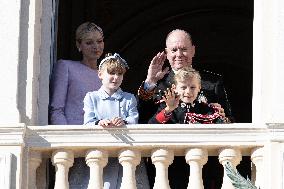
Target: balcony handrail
x: 146, y: 136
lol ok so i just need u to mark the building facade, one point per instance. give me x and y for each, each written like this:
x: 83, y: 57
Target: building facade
x: 27, y: 142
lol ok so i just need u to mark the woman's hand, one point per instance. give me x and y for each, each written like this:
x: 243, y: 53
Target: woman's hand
x: 155, y: 70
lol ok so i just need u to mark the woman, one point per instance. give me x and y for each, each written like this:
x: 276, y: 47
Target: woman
x: 71, y: 80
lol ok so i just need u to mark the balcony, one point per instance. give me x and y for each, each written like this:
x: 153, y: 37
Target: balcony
x: 31, y: 146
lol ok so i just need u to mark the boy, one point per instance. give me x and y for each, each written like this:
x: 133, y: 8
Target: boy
x: 184, y: 103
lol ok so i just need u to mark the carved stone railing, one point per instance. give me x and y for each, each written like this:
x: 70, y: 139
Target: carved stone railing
x: 160, y: 142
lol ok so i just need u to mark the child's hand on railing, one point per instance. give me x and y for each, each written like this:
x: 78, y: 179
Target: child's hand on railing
x: 114, y: 122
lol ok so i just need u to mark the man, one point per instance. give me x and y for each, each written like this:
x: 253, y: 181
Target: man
x: 179, y: 51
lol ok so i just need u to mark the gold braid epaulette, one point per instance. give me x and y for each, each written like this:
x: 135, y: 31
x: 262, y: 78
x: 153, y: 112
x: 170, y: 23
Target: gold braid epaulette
x: 144, y: 94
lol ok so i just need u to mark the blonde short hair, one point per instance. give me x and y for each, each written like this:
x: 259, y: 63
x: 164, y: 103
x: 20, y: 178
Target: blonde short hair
x: 186, y: 73
x: 85, y: 28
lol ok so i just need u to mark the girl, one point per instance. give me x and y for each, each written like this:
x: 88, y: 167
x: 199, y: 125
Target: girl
x: 111, y: 107
x: 70, y: 82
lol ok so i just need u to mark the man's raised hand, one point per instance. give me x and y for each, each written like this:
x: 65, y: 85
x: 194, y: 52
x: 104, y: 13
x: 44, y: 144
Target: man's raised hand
x: 155, y: 70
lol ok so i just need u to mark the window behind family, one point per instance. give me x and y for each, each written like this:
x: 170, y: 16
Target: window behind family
x: 211, y: 39
x: 221, y: 33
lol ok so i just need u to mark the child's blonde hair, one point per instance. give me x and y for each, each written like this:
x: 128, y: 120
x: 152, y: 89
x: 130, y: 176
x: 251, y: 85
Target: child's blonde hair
x: 113, y: 63
x: 186, y: 73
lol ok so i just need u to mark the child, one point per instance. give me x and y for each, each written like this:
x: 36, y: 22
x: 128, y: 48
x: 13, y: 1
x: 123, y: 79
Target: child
x: 184, y: 103
x: 111, y: 107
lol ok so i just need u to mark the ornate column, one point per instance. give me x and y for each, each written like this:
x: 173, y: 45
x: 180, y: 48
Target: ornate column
x: 257, y: 159
x: 129, y: 159
x: 62, y: 160
x: 34, y: 162
x: 196, y: 158
x: 232, y: 155
x: 96, y: 160
x: 162, y: 158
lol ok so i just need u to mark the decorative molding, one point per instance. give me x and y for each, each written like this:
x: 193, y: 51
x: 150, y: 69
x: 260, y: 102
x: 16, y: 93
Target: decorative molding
x: 12, y: 135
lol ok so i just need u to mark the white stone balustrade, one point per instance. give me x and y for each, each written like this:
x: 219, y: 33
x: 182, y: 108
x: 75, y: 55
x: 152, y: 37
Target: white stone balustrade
x: 129, y: 159
x: 159, y: 142
x: 62, y: 160
x: 257, y: 159
x: 35, y: 160
x: 96, y: 160
x: 232, y: 155
x: 162, y: 158
x: 196, y: 158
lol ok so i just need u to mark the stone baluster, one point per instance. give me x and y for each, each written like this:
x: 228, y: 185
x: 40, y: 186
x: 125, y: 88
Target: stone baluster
x: 96, y: 160
x: 257, y: 159
x: 35, y: 160
x: 62, y: 160
x: 129, y: 159
x: 162, y: 158
x: 234, y: 156
x: 196, y: 158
